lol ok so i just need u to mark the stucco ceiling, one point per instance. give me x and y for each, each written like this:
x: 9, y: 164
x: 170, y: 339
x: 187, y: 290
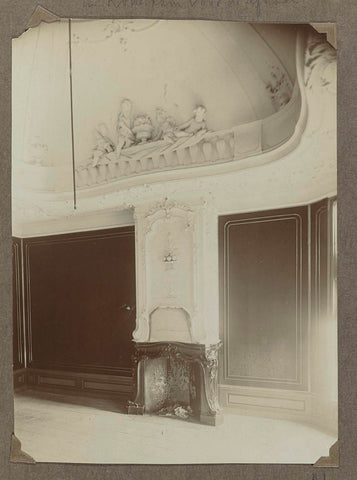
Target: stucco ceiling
x: 240, y: 72
x: 227, y: 66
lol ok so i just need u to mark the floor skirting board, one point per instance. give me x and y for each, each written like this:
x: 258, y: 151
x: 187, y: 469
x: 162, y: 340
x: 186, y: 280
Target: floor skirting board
x: 296, y: 406
x: 20, y: 379
x: 75, y: 382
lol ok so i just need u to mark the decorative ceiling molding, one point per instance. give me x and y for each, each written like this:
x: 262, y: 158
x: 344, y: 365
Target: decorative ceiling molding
x: 329, y: 29
x: 41, y: 14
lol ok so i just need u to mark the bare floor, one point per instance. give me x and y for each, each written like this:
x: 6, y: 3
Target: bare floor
x: 59, y: 428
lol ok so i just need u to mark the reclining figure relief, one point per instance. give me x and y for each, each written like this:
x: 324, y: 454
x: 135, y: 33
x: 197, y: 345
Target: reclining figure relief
x: 140, y: 136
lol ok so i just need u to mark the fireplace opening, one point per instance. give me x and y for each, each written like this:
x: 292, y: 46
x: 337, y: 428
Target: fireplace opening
x: 170, y: 387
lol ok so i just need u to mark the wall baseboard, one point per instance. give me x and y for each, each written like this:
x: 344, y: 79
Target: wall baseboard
x: 324, y: 414
x: 296, y: 406
x: 20, y: 380
x: 74, y: 382
x: 271, y: 403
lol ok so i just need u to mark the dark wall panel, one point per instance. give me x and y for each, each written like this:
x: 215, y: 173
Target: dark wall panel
x: 77, y: 286
x: 264, y: 279
x: 18, y: 338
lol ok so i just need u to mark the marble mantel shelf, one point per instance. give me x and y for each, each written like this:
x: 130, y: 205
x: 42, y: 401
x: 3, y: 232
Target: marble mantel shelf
x: 233, y: 145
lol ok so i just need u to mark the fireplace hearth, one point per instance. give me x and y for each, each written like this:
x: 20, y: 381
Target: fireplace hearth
x: 177, y: 379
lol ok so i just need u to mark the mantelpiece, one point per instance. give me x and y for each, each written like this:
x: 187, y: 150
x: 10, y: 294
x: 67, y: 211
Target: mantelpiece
x: 172, y: 259
x: 176, y: 333
x: 177, y: 379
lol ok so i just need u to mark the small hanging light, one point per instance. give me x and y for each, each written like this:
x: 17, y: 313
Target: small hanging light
x: 170, y: 258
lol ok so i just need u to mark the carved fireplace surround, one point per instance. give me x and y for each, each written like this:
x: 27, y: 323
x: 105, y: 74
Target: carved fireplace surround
x: 177, y: 379
x: 176, y: 333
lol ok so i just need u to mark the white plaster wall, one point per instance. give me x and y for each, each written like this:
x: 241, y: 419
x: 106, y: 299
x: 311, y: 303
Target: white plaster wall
x: 281, y: 39
x: 41, y: 123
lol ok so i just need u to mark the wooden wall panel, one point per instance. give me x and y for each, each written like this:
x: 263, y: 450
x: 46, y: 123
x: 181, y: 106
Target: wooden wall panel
x: 323, y: 311
x: 264, y: 298
x: 18, y: 334
x: 320, y: 259
x: 90, y: 384
x: 76, y: 289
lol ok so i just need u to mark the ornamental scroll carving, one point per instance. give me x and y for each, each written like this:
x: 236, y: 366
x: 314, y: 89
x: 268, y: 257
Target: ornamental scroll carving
x: 320, y: 62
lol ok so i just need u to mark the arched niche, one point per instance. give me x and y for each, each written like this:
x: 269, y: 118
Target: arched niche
x: 170, y: 324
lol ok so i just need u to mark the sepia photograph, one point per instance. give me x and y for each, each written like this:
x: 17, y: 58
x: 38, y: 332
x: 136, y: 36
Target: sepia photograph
x: 174, y: 239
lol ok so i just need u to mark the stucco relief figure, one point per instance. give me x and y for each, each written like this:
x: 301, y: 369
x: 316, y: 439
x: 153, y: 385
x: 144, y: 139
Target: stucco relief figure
x: 145, y: 136
x: 126, y: 136
x: 165, y: 126
x: 104, y: 144
x: 194, y: 125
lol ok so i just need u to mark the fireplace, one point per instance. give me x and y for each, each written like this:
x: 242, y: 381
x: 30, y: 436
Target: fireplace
x: 177, y: 328
x: 177, y: 379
